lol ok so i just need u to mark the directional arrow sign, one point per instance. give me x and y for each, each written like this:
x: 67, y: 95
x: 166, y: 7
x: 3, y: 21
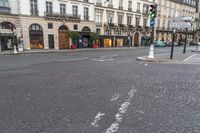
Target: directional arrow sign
x: 152, y: 22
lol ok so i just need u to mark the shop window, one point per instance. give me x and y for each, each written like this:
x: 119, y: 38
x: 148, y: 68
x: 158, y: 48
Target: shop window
x: 119, y: 42
x: 107, y: 42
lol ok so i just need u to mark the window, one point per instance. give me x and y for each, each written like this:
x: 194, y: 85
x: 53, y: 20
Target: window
x: 145, y: 9
x: 129, y: 20
x: 120, y: 19
x: 35, y: 27
x: 75, y: 27
x: 49, y: 8
x: 110, y: 17
x: 86, y: 0
x: 62, y: 9
x: 130, y: 5
x: 86, y: 13
x: 34, y: 7
x: 50, y: 25
x: 138, y: 7
x: 120, y: 4
x: 75, y: 10
x: 98, y: 17
x: 145, y: 22
x: 137, y: 21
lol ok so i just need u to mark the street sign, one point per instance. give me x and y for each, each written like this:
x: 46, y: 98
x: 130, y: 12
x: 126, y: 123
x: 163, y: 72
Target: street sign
x: 180, y: 25
x: 152, y: 22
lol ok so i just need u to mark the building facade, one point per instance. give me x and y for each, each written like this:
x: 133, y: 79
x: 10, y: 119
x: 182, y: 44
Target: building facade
x: 122, y: 22
x: 46, y: 24
x: 169, y: 9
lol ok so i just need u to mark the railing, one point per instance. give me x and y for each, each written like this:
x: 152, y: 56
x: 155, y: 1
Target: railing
x: 98, y: 4
x: 59, y: 16
x: 34, y: 12
x: 110, y: 5
x: 99, y: 24
x: 86, y: 18
x: 130, y: 9
x: 138, y: 11
x: 5, y: 9
x: 120, y: 7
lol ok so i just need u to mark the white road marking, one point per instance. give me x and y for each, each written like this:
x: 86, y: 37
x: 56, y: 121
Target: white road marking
x: 115, y: 97
x: 102, y: 59
x: 77, y: 59
x: 189, y: 57
x: 161, y: 54
x: 97, y: 118
x: 121, y: 111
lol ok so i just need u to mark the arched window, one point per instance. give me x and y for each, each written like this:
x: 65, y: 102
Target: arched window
x: 35, y: 27
x: 63, y: 28
x: 86, y: 29
x: 7, y: 25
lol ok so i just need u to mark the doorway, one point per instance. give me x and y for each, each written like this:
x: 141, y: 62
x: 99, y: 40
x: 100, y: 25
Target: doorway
x: 51, y: 41
x: 136, y: 39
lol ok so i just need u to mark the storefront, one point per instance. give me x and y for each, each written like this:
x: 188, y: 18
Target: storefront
x: 36, y: 37
x: 7, y: 36
x: 63, y: 37
x: 85, y: 39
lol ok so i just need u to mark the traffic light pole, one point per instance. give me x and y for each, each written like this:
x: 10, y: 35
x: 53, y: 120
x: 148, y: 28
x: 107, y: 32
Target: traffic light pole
x: 172, y: 47
x: 151, y: 48
x: 184, y: 49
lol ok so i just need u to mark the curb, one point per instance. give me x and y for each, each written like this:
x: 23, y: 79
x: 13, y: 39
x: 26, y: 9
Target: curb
x: 66, y: 51
x: 195, y: 51
x: 146, y: 59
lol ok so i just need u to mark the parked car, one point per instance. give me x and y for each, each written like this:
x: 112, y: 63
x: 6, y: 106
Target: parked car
x: 159, y: 44
x: 192, y: 44
x: 169, y: 44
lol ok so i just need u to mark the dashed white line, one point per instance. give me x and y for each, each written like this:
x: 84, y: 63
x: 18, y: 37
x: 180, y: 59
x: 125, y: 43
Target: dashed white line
x: 121, y: 111
x: 115, y: 97
x: 97, y: 119
x: 77, y: 59
x: 189, y: 58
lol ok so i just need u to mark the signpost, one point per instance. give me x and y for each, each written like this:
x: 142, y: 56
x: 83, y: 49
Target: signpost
x: 180, y: 23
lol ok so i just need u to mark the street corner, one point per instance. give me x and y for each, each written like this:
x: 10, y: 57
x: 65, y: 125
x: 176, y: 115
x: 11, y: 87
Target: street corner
x: 196, y: 51
x: 147, y: 59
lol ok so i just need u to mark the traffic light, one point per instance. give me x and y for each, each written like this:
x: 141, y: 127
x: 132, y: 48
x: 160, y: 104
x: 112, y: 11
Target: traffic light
x: 153, y: 11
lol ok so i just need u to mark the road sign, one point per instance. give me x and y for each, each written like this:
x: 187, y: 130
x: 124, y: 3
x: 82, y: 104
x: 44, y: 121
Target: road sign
x: 152, y: 22
x: 180, y: 25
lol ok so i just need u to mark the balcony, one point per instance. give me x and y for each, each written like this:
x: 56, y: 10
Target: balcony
x: 138, y: 11
x: 34, y: 12
x: 98, y: 24
x: 59, y: 16
x: 130, y: 9
x: 86, y: 18
x: 98, y: 4
x: 120, y: 8
x: 110, y: 5
x: 6, y: 10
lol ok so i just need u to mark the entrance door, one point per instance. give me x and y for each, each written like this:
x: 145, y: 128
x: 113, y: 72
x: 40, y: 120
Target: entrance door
x: 51, y: 41
x: 136, y: 39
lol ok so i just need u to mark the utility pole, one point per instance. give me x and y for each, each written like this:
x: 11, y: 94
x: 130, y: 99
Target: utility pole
x: 21, y: 48
x: 153, y: 15
x: 172, y: 47
x: 184, y: 49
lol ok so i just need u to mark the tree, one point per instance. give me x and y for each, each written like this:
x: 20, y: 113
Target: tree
x: 94, y: 37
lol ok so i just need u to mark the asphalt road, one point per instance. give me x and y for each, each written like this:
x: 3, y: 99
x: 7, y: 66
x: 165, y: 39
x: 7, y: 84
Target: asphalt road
x: 98, y: 91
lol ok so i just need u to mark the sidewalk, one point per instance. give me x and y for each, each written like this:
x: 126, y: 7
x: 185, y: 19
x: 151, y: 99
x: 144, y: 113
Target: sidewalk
x: 35, y: 51
x: 178, y: 57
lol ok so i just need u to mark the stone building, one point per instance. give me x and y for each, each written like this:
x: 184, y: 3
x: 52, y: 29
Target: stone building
x: 122, y: 22
x: 169, y: 9
x: 46, y: 24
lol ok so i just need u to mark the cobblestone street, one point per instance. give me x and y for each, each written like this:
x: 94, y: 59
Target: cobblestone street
x: 98, y: 92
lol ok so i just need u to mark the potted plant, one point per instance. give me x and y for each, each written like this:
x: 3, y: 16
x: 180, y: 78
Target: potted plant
x: 72, y: 35
x: 94, y: 39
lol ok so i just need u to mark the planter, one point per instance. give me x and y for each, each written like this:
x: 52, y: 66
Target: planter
x: 73, y: 46
x: 94, y: 46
